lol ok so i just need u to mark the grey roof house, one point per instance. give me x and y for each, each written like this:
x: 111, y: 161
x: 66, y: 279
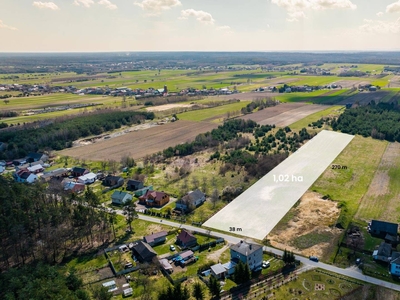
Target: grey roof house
x: 120, y: 197
x: 156, y: 238
x: 249, y: 253
x: 190, y: 201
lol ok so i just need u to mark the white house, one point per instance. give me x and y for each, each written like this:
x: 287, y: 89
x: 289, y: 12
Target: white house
x: 36, y: 169
x: 249, y: 253
x: 25, y: 176
x: 87, y: 178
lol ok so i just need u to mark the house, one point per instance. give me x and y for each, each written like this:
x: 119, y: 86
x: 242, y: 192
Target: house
x: 229, y: 267
x: 166, y: 265
x: 249, y: 253
x: 143, y: 191
x: 33, y: 156
x: 218, y: 271
x: 156, y: 238
x: 36, y: 169
x: 74, y: 187
x: 395, y: 264
x: 113, y: 181
x: 25, y: 176
x: 134, y: 185
x: 190, y: 201
x: 87, y: 178
x: 381, y: 228
x: 144, y: 252
x: 185, y: 239
x: 154, y: 199
x: 77, y: 171
x: 120, y: 197
x: 57, y: 174
x: 19, y: 162
x: 383, y: 253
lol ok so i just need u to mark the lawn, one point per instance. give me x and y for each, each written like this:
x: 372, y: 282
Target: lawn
x: 300, y: 96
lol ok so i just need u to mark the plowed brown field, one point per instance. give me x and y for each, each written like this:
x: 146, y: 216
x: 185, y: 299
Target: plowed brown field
x: 284, y: 114
x: 141, y: 143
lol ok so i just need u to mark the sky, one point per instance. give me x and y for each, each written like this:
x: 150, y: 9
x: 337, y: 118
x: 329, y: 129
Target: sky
x: 199, y: 25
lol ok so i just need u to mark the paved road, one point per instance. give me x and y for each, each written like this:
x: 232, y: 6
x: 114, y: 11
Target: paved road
x: 352, y: 272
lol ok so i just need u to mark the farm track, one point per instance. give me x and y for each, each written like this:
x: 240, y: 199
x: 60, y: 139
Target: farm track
x: 140, y: 143
x: 284, y: 114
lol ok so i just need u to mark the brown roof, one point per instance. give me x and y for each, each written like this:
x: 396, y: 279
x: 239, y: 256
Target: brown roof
x: 185, y: 236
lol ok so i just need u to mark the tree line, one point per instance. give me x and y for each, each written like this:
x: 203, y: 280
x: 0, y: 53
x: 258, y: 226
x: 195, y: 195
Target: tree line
x: 380, y: 121
x: 60, y: 134
x: 39, y: 224
x: 228, y: 131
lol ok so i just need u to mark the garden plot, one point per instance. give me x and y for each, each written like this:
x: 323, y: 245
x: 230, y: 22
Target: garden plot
x: 256, y: 211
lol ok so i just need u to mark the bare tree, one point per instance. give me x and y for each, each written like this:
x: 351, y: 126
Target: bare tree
x: 204, y: 185
x: 112, y: 166
x: 195, y: 183
x: 214, y: 197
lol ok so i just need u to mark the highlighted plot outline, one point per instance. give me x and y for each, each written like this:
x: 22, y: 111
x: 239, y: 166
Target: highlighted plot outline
x: 258, y: 209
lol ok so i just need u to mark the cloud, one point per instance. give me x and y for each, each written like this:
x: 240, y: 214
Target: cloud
x: 226, y: 27
x: 4, y: 26
x: 45, y: 5
x: 107, y: 4
x: 379, y: 14
x: 156, y: 6
x: 394, y: 7
x: 201, y: 16
x: 85, y: 3
x: 296, y: 8
x: 380, y: 27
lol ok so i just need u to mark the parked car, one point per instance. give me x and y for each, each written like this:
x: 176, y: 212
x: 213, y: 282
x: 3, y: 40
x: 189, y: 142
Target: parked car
x: 265, y: 264
x: 313, y: 258
x: 172, y: 248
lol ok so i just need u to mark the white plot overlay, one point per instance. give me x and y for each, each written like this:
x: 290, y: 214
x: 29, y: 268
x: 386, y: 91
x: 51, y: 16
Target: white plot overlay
x: 257, y: 210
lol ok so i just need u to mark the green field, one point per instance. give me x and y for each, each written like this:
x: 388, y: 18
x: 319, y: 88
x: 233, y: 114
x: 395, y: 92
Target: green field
x: 216, y: 113
x: 300, y: 97
x: 348, y: 185
x: 329, y: 112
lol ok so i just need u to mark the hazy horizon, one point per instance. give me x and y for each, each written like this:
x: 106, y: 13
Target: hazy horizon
x: 78, y: 26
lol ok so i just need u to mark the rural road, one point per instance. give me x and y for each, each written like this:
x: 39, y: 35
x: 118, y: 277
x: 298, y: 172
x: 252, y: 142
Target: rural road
x: 349, y: 272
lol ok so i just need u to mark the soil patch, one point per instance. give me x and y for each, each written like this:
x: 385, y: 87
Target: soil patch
x: 283, y: 114
x: 140, y: 143
x: 312, y: 215
x: 167, y: 107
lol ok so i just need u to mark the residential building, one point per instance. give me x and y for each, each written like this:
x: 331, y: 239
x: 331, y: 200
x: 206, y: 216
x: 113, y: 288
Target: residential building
x: 382, y: 228
x: 33, y: 156
x: 186, y: 239
x: 113, y: 181
x: 154, y: 199
x: 395, y: 264
x: 249, y: 253
x: 383, y: 253
x: 25, y: 176
x: 74, y: 187
x: 36, y: 169
x: 144, y: 252
x: 156, y: 238
x: 134, y: 185
x: 78, y: 171
x: 120, y: 197
x: 87, y: 178
x: 57, y: 174
x: 190, y: 201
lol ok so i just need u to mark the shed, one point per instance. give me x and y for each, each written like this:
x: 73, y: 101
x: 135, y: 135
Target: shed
x: 166, y: 265
x: 87, y: 178
x: 218, y: 271
x: 110, y: 285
